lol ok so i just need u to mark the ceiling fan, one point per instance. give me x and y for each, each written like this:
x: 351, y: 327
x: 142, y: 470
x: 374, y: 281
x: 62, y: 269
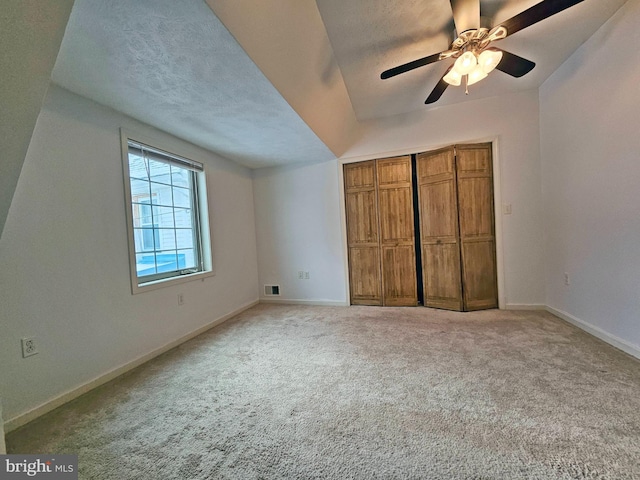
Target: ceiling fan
x: 475, y: 57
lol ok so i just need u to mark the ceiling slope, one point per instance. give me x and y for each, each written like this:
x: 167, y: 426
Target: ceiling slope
x: 288, y: 42
x: 174, y: 65
x: 30, y: 35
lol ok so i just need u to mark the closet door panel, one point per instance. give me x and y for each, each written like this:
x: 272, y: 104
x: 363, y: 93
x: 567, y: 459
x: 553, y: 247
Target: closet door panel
x: 476, y: 207
x: 359, y: 175
x: 365, y: 282
x: 441, y: 272
x: 395, y: 201
x: 394, y: 172
x: 362, y: 213
x: 396, y: 215
x: 364, y: 276
x: 479, y: 274
x: 399, y: 272
x: 438, y: 206
x: 438, y: 201
x: 477, y: 226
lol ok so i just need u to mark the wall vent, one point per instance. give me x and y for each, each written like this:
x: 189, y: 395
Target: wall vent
x: 272, y: 290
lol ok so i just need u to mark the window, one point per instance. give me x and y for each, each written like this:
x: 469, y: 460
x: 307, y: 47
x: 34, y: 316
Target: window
x: 166, y: 211
x: 143, y: 215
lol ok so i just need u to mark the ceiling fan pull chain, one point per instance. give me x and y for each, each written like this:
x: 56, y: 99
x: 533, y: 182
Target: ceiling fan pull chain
x: 466, y: 84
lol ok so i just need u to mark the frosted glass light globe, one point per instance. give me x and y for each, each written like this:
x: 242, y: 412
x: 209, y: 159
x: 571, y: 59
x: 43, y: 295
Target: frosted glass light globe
x: 476, y: 75
x: 489, y: 59
x: 453, y: 78
x: 465, y: 63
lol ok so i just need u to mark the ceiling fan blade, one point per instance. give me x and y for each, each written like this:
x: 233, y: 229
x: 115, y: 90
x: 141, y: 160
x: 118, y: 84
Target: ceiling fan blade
x: 514, y: 65
x: 439, y: 89
x: 535, y: 14
x: 392, y: 72
x: 466, y: 15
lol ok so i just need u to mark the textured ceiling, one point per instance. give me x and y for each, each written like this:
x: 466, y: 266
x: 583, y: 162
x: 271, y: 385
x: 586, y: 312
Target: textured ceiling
x: 370, y: 36
x: 173, y: 65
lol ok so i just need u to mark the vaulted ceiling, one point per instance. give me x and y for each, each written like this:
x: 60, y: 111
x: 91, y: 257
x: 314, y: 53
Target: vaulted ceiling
x: 288, y: 81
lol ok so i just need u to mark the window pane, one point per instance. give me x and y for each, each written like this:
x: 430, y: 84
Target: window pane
x: 159, y: 172
x: 138, y: 168
x: 142, y: 215
x: 180, y: 177
x: 145, y: 264
x: 181, y: 197
x: 163, y: 217
x: 186, y: 258
x: 146, y: 215
x: 138, y: 239
x: 161, y: 194
x: 184, y: 238
x: 166, y: 239
x: 146, y: 239
x: 167, y: 261
x: 183, y: 218
x: 139, y: 188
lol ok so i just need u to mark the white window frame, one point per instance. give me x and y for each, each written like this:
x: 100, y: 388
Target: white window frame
x: 137, y: 285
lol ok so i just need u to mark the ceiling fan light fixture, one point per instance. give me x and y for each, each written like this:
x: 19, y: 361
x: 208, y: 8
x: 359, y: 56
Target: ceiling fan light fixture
x: 489, y: 59
x: 474, y: 60
x: 465, y: 63
x: 476, y: 75
x: 453, y: 78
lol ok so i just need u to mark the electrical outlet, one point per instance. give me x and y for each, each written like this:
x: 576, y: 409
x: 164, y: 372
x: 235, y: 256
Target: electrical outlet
x: 300, y: 275
x: 29, y: 347
x: 180, y: 299
x: 566, y: 278
x: 306, y: 275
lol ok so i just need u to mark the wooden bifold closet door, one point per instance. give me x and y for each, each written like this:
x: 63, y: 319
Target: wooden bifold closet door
x: 397, y: 236
x: 455, y: 191
x: 439, y: 229
x: 361, y: 200
x: 457, y: 232
x: 380, y: 232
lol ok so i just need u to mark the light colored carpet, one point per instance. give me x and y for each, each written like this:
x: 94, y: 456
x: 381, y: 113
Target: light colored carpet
x: 362, y: 393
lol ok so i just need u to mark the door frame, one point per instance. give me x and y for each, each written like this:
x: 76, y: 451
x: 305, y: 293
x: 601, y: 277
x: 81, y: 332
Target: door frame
x: 497, y: 205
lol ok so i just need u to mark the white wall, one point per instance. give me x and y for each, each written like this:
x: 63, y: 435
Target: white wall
x: 64, y: 256
x: 299, y: 229
x: 590, y: 153
x: 300, y: 215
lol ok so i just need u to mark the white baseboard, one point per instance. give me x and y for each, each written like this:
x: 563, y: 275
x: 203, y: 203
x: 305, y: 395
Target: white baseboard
x: 55, y: 402
x: 524, y: 306
x: 322, y: 303
x: 633, y: 350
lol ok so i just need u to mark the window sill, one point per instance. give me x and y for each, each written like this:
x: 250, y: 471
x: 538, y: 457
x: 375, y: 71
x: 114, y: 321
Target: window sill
x: 166, y: 282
